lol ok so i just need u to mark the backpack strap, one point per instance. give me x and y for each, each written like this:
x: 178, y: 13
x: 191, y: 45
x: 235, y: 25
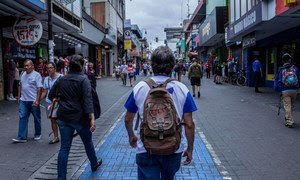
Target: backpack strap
x: 168, y: 81
x: 151, y: 83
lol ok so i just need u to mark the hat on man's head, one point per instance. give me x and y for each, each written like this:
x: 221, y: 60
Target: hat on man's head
x: 286, y: 58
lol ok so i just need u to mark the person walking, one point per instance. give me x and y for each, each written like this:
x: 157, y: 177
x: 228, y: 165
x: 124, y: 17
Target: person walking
x: 256, y: 67
x: 159, y: 156
x: 195, y: 75
x: 207, y: 69
x: 179, y: 69
x: 48, y: 83
x: 11, y: 78
x: 230, y: 65
x: 75, y: 112
x: 145, y: 67
x: 29, y: 93
x: 130, y: 71
x: 124, y: 69
x: 218, y: 73
x: 287, y: 82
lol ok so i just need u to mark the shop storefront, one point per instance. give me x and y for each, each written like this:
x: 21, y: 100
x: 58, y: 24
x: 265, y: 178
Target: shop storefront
x: 23, y: 39
x: 212, y: 35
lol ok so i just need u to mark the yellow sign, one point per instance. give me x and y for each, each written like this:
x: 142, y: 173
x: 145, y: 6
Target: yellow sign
x: 127, y: 44
x: 144, y: 55
x: 289, y: 2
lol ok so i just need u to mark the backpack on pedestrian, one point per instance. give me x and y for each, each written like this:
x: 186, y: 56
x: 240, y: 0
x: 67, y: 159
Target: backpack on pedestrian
x: 289, y: 78
x: 161, y: 128
x: 196, y: 70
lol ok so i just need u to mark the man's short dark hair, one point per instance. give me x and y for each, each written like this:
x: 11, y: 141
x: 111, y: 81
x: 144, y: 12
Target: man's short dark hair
x: 76, y: 63
x: 163, y: 61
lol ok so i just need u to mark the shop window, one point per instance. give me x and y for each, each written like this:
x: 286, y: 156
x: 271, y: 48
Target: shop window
x: 271, y: 61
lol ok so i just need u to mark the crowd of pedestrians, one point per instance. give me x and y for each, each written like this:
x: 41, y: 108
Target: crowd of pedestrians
x: 73, y: 86
x: 161, y: 103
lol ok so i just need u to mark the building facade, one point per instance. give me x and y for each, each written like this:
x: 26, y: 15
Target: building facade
x: 74, y: 32
x: 265, y: 30
x: 110, y: 14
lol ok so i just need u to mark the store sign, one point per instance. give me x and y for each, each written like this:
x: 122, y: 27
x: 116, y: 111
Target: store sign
x: 249, y: 41
x: 127, y: 44
x: 206, y: 29
x: 27, y: 30
x: 39, y: 3
x: 247, y: 21
x: 127, y: 23
x: 127, y: 34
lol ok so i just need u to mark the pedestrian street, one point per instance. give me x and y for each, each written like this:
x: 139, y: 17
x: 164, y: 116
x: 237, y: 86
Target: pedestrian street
x: 119, y: 159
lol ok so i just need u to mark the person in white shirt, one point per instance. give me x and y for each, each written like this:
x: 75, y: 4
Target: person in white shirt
x: 30, y: 92
x: 124, y: 68
x: 153, y: 166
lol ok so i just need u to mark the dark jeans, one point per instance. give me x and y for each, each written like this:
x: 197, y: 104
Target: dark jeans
x: 124, y: 78
x: 66, y: 133
x: 208, y: 73
x: 157, y: 167
x: 257, y: 79
x: 26, y: 107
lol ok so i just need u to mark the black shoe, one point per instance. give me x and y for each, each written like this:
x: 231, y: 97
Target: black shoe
x: 258, y: 91
x: 193, y: 95
x: 96, y: 167
x: 198, y: 94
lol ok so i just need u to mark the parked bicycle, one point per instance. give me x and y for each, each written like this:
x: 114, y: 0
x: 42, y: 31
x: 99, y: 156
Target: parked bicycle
x: 239, y: 78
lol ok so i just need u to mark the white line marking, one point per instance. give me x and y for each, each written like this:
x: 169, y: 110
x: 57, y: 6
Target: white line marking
x: 224, y: 173
x: 109, y: 131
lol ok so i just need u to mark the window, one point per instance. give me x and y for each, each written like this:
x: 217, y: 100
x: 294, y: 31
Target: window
x: 232, y: 13
x: 237, y: 9
x: 243, y: 7
x: 249, y: 5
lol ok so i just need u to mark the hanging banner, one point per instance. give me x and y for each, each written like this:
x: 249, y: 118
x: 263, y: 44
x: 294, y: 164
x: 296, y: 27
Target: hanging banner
x: 127, y: 44
x: 27, y: 30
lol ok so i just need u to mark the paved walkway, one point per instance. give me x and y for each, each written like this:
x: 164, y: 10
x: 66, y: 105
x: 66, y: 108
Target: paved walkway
x: 119, y: 160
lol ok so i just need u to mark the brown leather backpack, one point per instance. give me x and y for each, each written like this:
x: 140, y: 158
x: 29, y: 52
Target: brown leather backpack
x: 160, y: 129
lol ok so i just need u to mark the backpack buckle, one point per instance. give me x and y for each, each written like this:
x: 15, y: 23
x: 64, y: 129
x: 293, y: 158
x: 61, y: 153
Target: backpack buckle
x: 161, y: 132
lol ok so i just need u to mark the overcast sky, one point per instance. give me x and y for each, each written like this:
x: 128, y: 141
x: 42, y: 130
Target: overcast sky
x: 155, y: 15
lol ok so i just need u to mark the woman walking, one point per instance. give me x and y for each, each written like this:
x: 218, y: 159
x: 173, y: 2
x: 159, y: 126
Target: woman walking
x: 75, y: 112
x: 48, y: 83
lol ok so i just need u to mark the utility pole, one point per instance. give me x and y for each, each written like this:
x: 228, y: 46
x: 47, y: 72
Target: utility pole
x: 50, y: 32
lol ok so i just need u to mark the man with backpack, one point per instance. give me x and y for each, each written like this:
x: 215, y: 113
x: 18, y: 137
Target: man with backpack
x: 287, y: 82
x: 195, y: 75
x: 163, y: 105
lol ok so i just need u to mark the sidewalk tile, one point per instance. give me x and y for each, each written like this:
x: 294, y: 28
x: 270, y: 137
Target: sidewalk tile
x: 119, y: 160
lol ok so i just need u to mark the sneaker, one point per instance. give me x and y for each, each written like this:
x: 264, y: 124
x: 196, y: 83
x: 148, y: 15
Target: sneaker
x: 96, y: 167
x: 19, y: 140
x: 289, y: 125
x: 198, y: 94
x: 37, y: 138
x: 12, y: 99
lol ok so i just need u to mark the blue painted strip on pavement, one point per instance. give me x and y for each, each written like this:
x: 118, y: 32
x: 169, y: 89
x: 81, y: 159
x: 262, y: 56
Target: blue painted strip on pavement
x: 119, y: 160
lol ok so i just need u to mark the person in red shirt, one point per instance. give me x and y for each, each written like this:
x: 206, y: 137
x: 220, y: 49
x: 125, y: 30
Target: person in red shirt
x: 130, y: 71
